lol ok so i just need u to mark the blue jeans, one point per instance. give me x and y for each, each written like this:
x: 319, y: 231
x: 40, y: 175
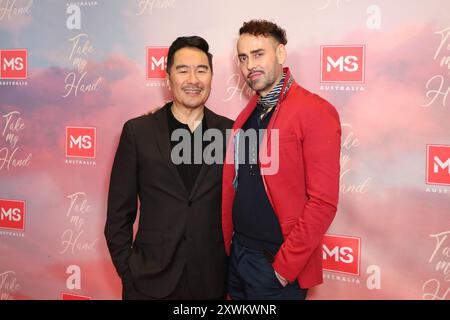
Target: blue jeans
x: 252, y: 277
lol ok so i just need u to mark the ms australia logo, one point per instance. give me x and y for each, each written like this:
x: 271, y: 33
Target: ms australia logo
x: 156, y: 64
x: 438, y: 165
x: 342, y: 254
x: 13, y: 63
x: 342, y: 67
x: 13, y: 66
x: 342, y: 63
x: 12, y: 214
x: 81, y: 145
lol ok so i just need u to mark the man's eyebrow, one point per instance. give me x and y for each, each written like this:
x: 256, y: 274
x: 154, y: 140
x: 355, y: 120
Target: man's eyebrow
x: 185, y: 66
x: 257, y: 51
x: 251, y: 52
x: 181, y: 66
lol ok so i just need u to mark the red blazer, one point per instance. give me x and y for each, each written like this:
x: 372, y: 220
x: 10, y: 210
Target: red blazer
x: 304, y: 190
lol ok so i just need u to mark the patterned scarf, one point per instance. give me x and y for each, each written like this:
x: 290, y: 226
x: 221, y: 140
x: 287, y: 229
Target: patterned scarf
x: 268, y: 102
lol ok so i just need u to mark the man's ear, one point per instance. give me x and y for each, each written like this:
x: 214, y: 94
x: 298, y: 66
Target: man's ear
x: 167, y: 81
x: 281, y: 53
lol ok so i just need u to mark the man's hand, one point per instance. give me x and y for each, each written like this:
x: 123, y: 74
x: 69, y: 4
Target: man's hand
x: 153, y: 110
x: 282, y: 280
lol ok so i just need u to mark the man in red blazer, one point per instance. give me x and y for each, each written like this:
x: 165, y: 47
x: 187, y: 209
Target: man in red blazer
x: 280, y: 193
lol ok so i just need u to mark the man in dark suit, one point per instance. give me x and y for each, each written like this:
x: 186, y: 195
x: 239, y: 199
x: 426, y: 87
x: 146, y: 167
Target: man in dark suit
x: 178, y: 251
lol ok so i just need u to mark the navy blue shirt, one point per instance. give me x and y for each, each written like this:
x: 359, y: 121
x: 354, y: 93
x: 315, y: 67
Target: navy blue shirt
x: 255, y: 222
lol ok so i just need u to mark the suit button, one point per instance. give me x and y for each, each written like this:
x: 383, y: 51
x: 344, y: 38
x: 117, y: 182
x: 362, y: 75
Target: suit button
x: 189, y: 203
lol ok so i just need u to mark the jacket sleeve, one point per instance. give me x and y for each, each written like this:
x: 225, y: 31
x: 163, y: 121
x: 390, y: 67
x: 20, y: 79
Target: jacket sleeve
x: 321, y: 145
x: 122, y: 201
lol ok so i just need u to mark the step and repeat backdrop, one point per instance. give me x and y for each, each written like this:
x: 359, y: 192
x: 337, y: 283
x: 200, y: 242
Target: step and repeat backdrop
x: 72, y: 72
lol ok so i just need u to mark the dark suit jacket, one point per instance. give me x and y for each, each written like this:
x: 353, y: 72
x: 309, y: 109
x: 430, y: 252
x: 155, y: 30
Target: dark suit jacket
x: 176, y: 229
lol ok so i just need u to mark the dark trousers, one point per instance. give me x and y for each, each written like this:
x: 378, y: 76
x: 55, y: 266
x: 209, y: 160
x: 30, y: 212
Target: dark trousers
x: 252, y: 277
x: 181, y: 291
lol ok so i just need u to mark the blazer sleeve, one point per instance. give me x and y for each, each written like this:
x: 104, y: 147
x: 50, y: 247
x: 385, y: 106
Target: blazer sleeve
x: 122, y: 201
x: 321, y: 145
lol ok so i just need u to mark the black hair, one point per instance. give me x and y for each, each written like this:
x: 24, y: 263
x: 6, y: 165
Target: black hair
x: 188, y: 42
